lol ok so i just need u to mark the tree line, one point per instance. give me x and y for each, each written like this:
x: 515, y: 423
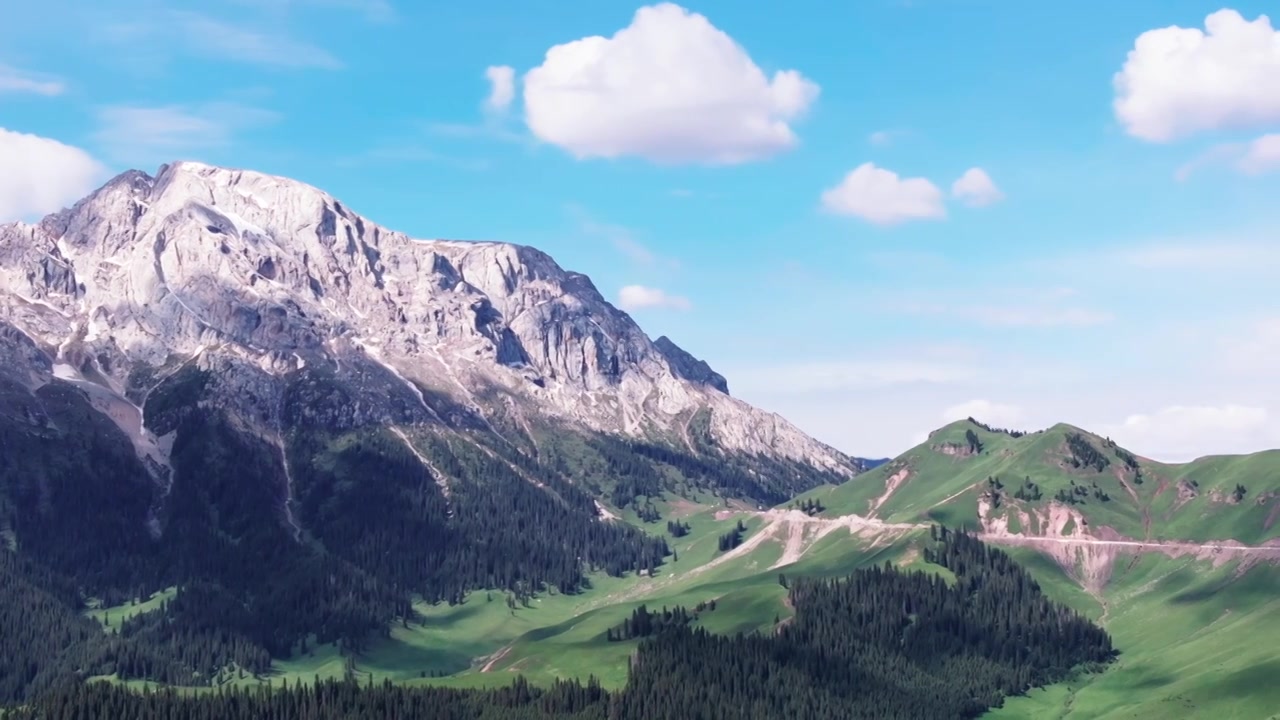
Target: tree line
x: 881, y: 643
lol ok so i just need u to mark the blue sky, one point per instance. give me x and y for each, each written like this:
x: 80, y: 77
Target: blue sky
x: 1114, y: 265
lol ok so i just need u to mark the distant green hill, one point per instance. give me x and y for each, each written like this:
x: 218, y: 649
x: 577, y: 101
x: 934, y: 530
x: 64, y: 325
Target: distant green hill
x: 1020, y: 475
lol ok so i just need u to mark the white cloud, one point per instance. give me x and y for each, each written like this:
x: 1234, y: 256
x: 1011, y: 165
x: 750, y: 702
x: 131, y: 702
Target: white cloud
x: 622, y: 238
x: 147, y: 135
x: 834, y: 376
x: 639, y: 297
x: 1253, y: 350
x: 490, y: 129
x: 373, y: 10
x: 231, y: 42
x: 39, y: 175
x: 1221, y: 153
x: 191, y: 32
x: 1212, y: 254
x: 881, y: 197
x: 884, y: 137
x: 1183, y: 432
x: 502, y: 87
x: 634, y: 250
x: 17, y: 81
x: 670, y: 88
x: 991, y: 413
x: 976, y: 189
x: 1037, y: 316
x: 1180, y: 81
x: 411, y: 152
x: 1002, y: 306
x: 1262, y: 155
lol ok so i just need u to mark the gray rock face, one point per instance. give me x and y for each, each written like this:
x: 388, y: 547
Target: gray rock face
x: 689, y: 367
x: 253, y: 277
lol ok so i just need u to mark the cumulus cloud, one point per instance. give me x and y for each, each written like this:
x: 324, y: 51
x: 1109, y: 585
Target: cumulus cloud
x: 148, y: 135
x: 670, y: 87
x: 639, y: 297
x: 1262, y: 155
x: 17, y: 81
x: 882, y: 197
x: 1179, y: 81
x: 1178, y: 432
x: 39, y: 175
x: 976, y: 189
x: 502, y: 87
x: 991, y: 413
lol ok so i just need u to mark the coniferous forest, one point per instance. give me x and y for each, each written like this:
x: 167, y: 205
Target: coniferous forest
x: 318, y: 532
x: 882, y: 643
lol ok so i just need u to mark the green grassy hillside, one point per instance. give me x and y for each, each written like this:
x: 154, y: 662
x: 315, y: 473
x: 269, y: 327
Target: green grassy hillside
x: 1216, y: 498
x: 1196, y: 634
x: 1195, y: 642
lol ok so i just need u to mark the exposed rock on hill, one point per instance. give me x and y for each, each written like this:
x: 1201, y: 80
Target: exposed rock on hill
x: 255, y: 277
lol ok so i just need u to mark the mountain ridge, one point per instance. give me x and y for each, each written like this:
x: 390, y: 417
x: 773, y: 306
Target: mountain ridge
x: 971, y: 475
x: 229, y: 384
x: 286, y: 274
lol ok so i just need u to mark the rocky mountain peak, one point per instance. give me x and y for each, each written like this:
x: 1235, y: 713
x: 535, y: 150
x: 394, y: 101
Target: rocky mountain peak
x: 689, y: 367
x: 272, y: 275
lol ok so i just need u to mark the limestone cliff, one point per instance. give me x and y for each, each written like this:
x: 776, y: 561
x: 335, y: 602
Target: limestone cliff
x: 256, y: 277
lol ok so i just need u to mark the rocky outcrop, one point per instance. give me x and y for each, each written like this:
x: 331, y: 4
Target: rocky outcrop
x: 254, y: 277
x: 954, y: 449
x: 690, y: 368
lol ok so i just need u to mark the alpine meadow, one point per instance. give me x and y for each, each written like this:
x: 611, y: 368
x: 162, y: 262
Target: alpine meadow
x: 274, y: 444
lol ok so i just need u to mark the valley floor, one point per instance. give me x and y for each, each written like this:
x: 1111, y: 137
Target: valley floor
x: 1195, y: 622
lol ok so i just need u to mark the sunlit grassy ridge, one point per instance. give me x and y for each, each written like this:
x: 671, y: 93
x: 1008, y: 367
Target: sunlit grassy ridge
x: 940, y: 481
x: 1196, y: 641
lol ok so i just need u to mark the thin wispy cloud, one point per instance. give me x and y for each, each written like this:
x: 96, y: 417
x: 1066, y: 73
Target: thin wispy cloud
x: 1013, y: 316
x: 1214, y: 254
x: 640, y: 297
x: 1257, y: 157
x: 885, y: 138
x: 14, y: 80
x: 373, y: 10
x: 621, y: 238
x: 232, y: 42
x: 489, y: 130
x: 193, y: 33
x: 413, y: 153
x: 868, y: 374
x: 141, y: 134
